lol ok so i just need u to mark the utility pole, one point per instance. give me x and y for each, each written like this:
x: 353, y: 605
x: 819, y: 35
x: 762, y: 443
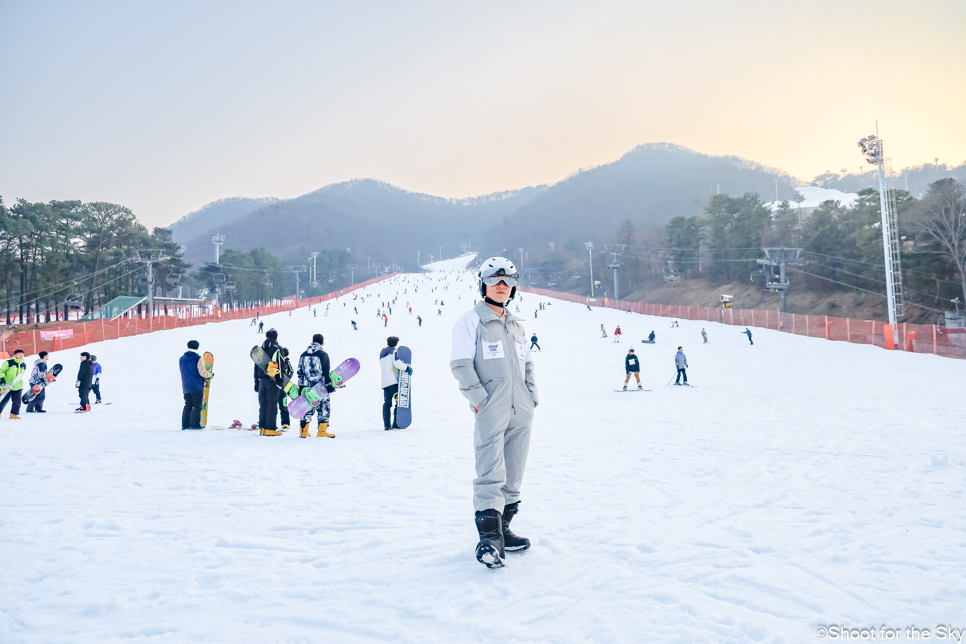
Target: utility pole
x: 151, y: 256
x: 871, y: 146
x: 590, y: 253
x: 296, y: 269
x: 440, y: 253
x: 218, y: 240
x: 615, y: 250
x: 780, y: 257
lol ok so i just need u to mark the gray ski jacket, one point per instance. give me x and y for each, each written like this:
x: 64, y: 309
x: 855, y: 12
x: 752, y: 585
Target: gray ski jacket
x: 680, y: 361
x: 491, y: 360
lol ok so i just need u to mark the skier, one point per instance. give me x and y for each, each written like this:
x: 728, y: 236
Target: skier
x: 533, y: 343
x: 315, y: 311
x: 261, y: 325
x: 603, y: 331
x: 632, y: 366
x: 354, y: 327
x: 617, y: 334
x: 356, y: 309
x: 420, y: 320
x: 85, y: 378
x: 704, y: 334
x: 681, y: 362
x: 439, y: 311
x: 748, y: 333
x: 37, y: 377
x: 254, y: 320
x: 9, y: 370
x: 268, y: 387
x: 488, y: 348
x: 650, y: 338
x: 326, y: 310
x: 534, y: 314
x: 193, y: 377
x: 96, y: 388
x: 390, y: 366
x: 385, y: 320
x: 313, y: 369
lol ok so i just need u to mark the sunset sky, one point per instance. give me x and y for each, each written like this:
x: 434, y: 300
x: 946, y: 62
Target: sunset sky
x: 165, y: 106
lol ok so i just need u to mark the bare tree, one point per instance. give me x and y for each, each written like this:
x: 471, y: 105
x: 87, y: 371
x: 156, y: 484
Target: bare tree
x: 943, y: 216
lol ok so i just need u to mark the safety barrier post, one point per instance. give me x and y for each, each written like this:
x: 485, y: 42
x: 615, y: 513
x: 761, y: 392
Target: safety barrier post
x: 934, y: 346
x: 910, y: 339
x: 890, y: 341
x: 828, y: 329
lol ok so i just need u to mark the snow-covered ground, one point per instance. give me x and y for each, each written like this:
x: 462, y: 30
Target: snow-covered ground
x: 802, y: 483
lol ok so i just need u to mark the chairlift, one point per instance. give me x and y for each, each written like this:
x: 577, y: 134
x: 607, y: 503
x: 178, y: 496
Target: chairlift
x: 74, y: 301
x: 173, y: 280
x: 671, y: 274
x: 219, y: 278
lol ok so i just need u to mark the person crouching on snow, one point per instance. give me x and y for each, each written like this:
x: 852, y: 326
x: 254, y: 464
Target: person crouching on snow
x: 492, y: 363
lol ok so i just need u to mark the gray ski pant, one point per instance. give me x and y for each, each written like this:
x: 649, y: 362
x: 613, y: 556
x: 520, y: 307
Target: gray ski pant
x: 501, y: 440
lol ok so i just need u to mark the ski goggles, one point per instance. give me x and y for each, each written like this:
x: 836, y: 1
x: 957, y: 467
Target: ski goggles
x: 501, y: 276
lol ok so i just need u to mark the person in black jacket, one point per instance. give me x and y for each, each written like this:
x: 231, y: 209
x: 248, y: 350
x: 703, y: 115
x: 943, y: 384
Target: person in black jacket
x: 85, y: 380
x: 268, y: 386
x: 314, y: 368
x: 632, y: 366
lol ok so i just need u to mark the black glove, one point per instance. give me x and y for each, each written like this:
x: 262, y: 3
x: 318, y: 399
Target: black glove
x: 409, y: 370
x: 256, y: 386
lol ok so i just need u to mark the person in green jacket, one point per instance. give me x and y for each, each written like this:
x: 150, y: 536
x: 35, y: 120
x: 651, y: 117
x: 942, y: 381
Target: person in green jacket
x: 11, y: 372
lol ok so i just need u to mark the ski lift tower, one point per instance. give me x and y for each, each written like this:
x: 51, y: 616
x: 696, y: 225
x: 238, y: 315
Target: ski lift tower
x: 296, y: 269
x: 780, y: 257
x: 871, y: 147
x: 150, y: 256
x: 615, y: 250
x: 218, y: 240
x: 590, y: 254
x: 313, y: 274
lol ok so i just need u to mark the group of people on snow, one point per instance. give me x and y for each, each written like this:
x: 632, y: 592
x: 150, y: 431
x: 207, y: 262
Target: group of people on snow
x: 12, y: 384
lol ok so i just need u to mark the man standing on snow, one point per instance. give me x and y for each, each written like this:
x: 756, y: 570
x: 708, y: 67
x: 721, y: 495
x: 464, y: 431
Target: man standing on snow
x: 492, y: 363
x: 314, y: 368
x: 704, y: 334
x: 193, y: 378
x: 267, y: 386
x: 632, y: 366
x: 389, y: 367
x: 10, y: 370
x: 85, y: 380
x: 681, y: 362
x: 533, y: 343
x: 748, y: 333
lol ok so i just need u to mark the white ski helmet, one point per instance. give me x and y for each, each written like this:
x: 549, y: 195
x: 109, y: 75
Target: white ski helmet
x: 495, y: 270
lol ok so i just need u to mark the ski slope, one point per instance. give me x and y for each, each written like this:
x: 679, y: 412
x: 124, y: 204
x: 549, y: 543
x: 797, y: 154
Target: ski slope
x: 801, y: 484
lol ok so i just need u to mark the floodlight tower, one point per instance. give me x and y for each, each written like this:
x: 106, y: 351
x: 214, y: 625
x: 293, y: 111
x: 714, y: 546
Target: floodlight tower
x: 590, y: 254
x: 314, y: 275
x: 871, y: 147
x: 218, y: 240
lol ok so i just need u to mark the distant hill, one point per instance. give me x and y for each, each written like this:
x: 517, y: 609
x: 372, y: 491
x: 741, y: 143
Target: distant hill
x: 649, y: 185
x: 915, y: 179
x: 214, y: 215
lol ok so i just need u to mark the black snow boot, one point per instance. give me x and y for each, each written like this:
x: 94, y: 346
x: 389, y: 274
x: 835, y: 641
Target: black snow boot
x: 512, y: 542
x: 489, y: 551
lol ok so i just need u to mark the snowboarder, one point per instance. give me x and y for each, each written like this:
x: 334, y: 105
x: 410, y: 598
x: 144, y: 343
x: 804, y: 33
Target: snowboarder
x: 439, y: 312
x: 37, y: 376
x: 674, y: 324
x: 267, y: 385
x: 420, y: 320
x: 681, y: 362
x: 261, y: 325
x: 748, y: 333
x: 534, y: 314
x: 313, y: 369
x: 704, y: 334
x: 354, y: 327
x: 390, y: 366
x: 603, y: 331
x: 10, y: 370
x: 193, y: 378
x: 650, y: 338
x: 85, y: 380
x: 385, y: 320
x: 96, y: 388
x: 617, y: 334
x: 488, y: 348
x: 285, y: 365
x: 632, y: 366
x: 533, y: 343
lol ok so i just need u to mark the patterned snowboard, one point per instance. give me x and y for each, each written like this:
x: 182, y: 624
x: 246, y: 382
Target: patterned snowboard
x: 209, y: 363
x: 301, y: 405
x: 404, y: 399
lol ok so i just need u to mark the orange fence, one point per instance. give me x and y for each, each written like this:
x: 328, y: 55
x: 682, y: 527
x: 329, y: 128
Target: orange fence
x: 177, y: 317
x: 918, y: 338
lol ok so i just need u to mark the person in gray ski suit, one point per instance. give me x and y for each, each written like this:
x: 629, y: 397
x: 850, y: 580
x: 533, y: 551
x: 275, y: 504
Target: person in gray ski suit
x: 492, y: 363
x: 681, y: 362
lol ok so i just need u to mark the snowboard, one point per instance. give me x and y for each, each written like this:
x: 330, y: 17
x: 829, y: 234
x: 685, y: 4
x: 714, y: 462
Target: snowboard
x: 5, y: 388
x: 209, y: 363
x: 404, y: 400
x: 627, y: 391
x: 53, y: 371
x: 648, y: 342
x: 262, y: 359
x: 302, y: 405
